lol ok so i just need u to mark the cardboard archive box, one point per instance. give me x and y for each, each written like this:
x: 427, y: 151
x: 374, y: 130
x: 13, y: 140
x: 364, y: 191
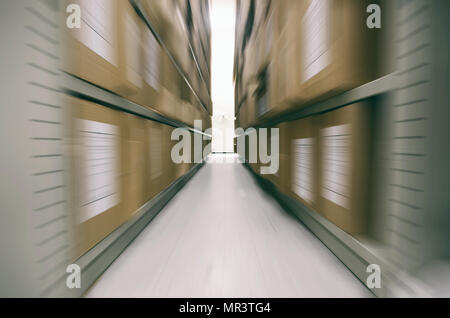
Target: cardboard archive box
x: 335, y: 50
x: 169, y: 171
x: 282, y: 178
x: 155, y: 158
x: 106, y: 49
x: 303, y: 165
x: 344, y: 159
x: 135, y: 163
x: 98, y: 137
x: 152, y: 71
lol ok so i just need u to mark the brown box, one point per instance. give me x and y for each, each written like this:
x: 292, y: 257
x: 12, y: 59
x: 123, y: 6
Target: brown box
x: 282, y: 178
x: 152, y: 71
x: 106, y: 50
x: 130, y: 48
x: 155, y: 158
x: 168, y: 165
x: 283, y: 38
x: 98, y: 139
x: 280, y: 72
x: 170, y: 92
x: 242, y: 10
x: 325, y: 61
x: 91, y: 52
x: 134, y: 162
x: 344, y: 145
x: 251, y: 104
x: 303, y: 164
x: 160, y: 13
x: 242, y: 115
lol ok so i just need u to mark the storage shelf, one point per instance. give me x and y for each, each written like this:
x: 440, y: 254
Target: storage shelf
x: 194, y: 56
x: 94, y: 262
x: 141, y: 13
x: 80, y: 88
x: 379, y: 86
x: 355, y: 254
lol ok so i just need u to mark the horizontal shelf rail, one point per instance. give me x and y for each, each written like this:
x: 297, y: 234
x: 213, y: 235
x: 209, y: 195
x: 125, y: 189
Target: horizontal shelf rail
x: 379, y: 86
x: 80, y: 88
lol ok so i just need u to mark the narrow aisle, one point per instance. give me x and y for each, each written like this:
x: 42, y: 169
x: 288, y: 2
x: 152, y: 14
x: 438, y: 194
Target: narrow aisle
x: 222, y: 236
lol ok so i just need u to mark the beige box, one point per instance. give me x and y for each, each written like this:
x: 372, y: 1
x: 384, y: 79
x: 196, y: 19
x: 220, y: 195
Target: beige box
x: 335, y: 50
x: 303, y: 165
x: 106, y: 50
x: 250, y: 104
x: 154, y: 149
x: 240, y: 121
x: 242, y: 9
x: 284, y: 55
x: 170, y: 90
x: 152, y: 71
x: 91, y: 52
x: 98, y: 139
x: 168, y: 103
x: 130, y: 49
x: 187, y: 113
x: 135, y: 163
x: 169, y: 170
x: 282, y: 178
x: 280, y: 71
x: 160, y: 13
x: 344, y: 145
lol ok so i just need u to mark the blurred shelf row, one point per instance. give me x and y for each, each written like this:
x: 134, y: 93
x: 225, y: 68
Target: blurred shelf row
x: 349, y: 109
x: 137, y: 50
x: 94, y: 109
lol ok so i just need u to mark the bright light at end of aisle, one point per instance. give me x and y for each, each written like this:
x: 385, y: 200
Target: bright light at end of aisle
x: 223, y: 17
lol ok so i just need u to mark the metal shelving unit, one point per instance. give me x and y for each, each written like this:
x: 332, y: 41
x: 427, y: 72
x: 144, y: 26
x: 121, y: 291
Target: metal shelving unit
x: 80, y: 88
x: 194, y: 57
x: 355, y: 254
x: 94, y: 262
x: 141, y: 13
x: 379, y: 86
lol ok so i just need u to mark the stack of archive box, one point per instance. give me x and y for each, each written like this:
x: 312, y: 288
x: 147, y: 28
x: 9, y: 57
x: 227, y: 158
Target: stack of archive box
x: 137, y: 50
x: 293, y: 54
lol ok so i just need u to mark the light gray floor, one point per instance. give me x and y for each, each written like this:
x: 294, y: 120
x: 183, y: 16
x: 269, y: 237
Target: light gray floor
x: 222, y: 236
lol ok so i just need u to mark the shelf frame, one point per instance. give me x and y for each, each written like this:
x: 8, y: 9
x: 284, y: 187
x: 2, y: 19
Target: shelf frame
x: 77, y: 87
x: 136, y: 4
x: 97, y: 260
x: 356, y: 253
x: 379, y: 86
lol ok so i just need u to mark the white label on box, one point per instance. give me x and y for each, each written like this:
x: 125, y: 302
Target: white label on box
x: 99, y: 172
x: 155, y: 153
x: 151, y: 60
x: 98, y: 28
x: 316, y: 38
x: 303, y: 183
x: 337, y: 164
x: 133, y: 49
